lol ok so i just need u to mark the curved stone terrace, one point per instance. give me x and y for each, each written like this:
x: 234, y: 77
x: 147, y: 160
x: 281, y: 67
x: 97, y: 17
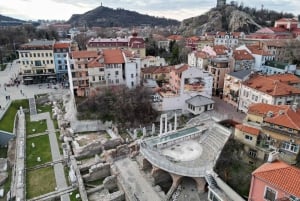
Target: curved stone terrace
x: 190, y: 152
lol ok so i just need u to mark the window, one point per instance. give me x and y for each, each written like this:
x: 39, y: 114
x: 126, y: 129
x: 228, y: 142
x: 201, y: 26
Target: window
x: 93, y: 78
x: 270, y: 194
x: 101, y: 69
x: 248, y: 137
x: 290, y: 146
x: 252, y: 153
x: 116, y: 72
x: 38, y: 63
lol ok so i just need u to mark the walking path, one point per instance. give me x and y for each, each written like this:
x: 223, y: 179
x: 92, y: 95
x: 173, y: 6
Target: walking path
x: 58, y: 167
x: 21, y: 91
x: 134, y: 183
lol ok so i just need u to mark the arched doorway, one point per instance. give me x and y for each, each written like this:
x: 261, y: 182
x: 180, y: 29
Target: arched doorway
x: 163, y: 179
x: 187, y: 190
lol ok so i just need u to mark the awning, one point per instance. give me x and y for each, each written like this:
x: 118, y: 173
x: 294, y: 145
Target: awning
x: 28, y: 78
x: 51, y: 77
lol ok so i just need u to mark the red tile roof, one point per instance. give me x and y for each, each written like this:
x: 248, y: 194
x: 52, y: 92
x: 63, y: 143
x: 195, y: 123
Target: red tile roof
x: 287, y: 78
x: 287, y: 20
x: 157, y: 69
x: 287, y: 118
x: 95, y: 63
x: 181, y: 69
x: 61, y: 45
x: 84, y: 54
x: 202, y: 55
x: 175, y: 37
x: 242, y: 55
x: 248, y: 129
x: 220, y: 49
x: 283, y: 115
x: 261, y: 109
x: 113, y: 56
x: 271, y: 86
x: 255, y: 49
x: 281, y: 176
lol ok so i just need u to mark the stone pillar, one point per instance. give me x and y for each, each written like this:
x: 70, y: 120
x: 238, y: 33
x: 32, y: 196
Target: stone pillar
x: 166, y: 124
x: 160, y: 125
x: 175, y: 122
x: 201, y: 182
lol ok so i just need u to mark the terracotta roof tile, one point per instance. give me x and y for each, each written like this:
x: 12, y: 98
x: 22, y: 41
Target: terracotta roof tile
x: 242, y: 55
x: 84, y: 54
x: 157, y: 69
x: 180, y: 69
x: 261, y: 109
x: 280, y: 175
x: 95, y: 63
x: 113, y: 56
x: 220, y: 49
x: 255, y: 49
x: 61, y: 45
x: 175, y: 37
x: 271, y: 86
x: 287, y: 78
x: 283, y: 115
x: 287, y: 20
x: 248, y: 129
x: 287, y: 118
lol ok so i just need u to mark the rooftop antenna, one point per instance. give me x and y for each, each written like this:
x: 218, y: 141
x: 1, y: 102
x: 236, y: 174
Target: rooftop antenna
x: 101, y: 3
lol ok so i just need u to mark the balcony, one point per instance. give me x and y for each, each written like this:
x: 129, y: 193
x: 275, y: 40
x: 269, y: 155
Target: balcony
x: 280, y: 131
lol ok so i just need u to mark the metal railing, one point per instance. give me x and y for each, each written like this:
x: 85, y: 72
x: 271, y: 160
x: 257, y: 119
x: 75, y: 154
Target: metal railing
x: 160, y: 161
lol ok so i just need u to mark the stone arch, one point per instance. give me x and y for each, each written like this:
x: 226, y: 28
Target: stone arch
x: 146, y: 165
x: 200, y: 182
x: 162, y: 178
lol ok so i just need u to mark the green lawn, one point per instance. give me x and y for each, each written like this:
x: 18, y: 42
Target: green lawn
x: 73, y: 196
x: 34, y: 127
x: 7, y: 122
x: 44, y: 108
x: 42, y: 149
x: 39, y: 182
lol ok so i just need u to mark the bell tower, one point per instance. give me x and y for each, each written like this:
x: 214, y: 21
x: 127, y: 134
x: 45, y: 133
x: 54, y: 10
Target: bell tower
x: 221, y: 3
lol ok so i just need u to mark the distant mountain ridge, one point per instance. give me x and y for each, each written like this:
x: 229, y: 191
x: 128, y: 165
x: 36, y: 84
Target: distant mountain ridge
x: 230, y: 18
x: 108, y: 17
x: 5, y: 21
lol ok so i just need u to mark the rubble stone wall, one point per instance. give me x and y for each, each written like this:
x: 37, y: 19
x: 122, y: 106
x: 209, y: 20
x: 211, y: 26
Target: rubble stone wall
x: 98, y: 171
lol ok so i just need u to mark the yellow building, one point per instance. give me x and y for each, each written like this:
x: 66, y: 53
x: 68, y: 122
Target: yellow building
x: 37, y: 61
x: 280, y: 129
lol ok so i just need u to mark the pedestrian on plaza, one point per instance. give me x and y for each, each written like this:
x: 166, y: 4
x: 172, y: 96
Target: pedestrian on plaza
x: 5, y: 88
x: 21, y: 91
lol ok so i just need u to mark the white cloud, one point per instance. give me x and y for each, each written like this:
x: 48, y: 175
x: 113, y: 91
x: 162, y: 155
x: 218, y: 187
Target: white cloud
x: 176, y: 9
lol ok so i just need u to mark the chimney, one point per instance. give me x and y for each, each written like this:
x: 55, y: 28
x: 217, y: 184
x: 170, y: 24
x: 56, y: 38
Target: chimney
x: 295, y: 106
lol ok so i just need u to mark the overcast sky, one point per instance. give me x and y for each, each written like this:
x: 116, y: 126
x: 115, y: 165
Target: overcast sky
x: 175, y: 9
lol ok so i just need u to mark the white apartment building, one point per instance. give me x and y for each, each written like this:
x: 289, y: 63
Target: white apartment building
x: 264, y: 89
